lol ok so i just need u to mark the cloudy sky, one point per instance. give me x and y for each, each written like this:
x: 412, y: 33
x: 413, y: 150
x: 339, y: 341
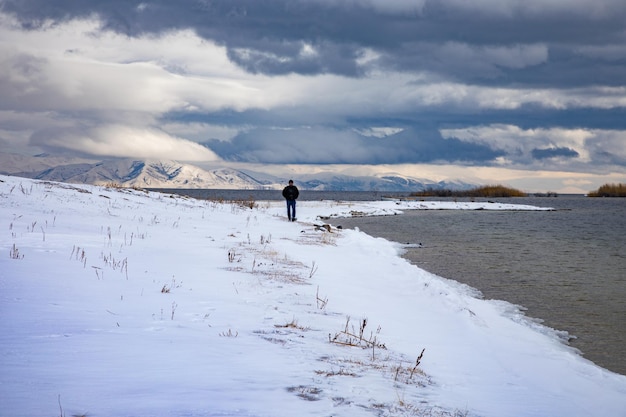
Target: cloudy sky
x: 530, y: 93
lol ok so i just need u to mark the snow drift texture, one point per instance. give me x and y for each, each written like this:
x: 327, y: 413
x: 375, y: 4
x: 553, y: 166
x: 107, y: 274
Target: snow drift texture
x: 125, y: 303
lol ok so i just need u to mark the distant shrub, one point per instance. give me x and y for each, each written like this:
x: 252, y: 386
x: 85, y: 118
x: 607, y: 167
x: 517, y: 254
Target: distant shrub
x: 249, y: 203
x: 113, y: 184
x: 609, y: 190
x: 496, y: 191
x: 483, y: 191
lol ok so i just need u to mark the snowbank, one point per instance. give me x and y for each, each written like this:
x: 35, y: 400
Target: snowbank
x: 126, y: 303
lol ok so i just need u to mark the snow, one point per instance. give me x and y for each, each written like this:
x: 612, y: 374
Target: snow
x: 118, y: 302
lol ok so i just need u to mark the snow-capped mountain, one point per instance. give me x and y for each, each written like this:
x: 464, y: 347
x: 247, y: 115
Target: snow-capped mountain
x: 151, y: 174
x: 172, y: 174
x: 380, y: 182
x: 128, y: 173
x: 16, y: 164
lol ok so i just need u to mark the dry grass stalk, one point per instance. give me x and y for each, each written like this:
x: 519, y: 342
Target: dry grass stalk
x: 293, y: 324
x: 348, y: 337
x: 229, y: 333
x: 15, y: 253
x: 321, y: 302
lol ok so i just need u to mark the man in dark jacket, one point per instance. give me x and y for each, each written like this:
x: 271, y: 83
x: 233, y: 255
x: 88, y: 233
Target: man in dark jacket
x: 291, y: 193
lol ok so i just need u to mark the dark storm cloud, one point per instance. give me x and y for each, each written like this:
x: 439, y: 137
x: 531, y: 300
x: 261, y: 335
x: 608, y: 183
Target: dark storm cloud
x: 500, y: 43
x: 420, y: 140
x: 326, y: 146
x: 554, y: 153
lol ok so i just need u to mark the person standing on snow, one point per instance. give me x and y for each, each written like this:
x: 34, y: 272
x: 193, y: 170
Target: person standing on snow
x: 291, y: 193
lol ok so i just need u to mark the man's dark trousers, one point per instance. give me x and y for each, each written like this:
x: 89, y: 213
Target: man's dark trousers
x: 291, y: 209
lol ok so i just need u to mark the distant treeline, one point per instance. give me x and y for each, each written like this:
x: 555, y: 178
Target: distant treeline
x: 609, y: 190
x: 487, y: 191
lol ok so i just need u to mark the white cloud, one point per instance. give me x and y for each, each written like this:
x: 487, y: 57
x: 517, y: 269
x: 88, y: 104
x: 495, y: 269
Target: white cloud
x: 75, y: 66
x: 126, y: 141
x: 200, y: 132
x: 308, y: 51
x: 516, y: 141
x: 379, y: 131
x: 608, y: 143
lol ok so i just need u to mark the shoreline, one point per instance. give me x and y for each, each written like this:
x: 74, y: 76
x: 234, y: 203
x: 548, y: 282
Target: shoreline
x: 582, y: 334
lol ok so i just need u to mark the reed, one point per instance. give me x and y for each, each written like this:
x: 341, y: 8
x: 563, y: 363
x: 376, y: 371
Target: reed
x: 487, y: 191
x: 609, y: 190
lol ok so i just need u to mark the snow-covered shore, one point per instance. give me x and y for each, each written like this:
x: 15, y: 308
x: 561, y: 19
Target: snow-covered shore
x: 126, y: 303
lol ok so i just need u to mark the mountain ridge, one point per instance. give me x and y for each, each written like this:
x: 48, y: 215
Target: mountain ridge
x: 148, y: 173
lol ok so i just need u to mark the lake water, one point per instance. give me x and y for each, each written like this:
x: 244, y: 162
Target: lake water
x: 565, y: 267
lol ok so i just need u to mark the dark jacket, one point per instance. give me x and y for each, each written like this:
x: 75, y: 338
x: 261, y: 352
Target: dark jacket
x: 291, y: 192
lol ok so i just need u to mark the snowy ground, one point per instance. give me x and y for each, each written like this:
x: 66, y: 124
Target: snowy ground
x: 125, y: 303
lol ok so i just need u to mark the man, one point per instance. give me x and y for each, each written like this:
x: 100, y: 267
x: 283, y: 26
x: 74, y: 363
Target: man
x: 291, y: 193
